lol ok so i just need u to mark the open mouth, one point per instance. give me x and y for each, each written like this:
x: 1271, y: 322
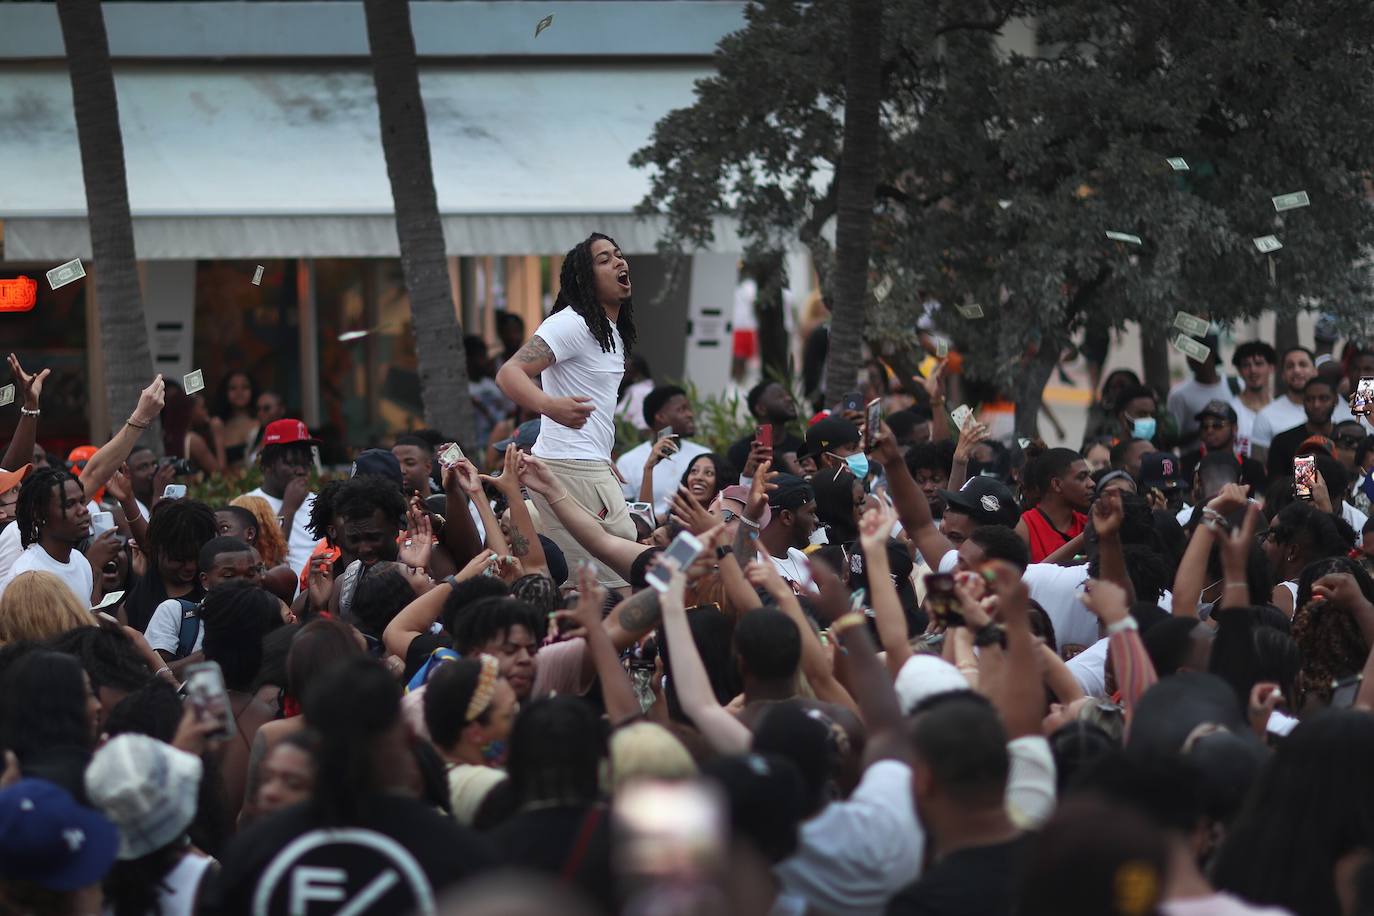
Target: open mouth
x: 623, y: 278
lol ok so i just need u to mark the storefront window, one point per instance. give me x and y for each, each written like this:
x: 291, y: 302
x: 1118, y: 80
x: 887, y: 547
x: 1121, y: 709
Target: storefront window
x: 51, y: 335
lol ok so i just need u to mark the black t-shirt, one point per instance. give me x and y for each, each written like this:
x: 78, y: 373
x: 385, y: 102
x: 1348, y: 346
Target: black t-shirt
x: 572, y: 840
x: 397, y: 856
x: 977, y: 881
x: 421, y: 648
x: 1283, y: 448
x: 738, y: 455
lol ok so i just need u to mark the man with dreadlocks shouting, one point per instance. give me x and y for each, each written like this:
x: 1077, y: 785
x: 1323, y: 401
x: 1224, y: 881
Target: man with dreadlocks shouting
x: 579, y: 354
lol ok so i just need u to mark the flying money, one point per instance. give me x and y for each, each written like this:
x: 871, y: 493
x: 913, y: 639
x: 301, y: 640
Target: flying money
x: 257, y: 276
x: 193, y: 382
x: 1291, y: 201
x: 1191, y: 348
x: 450, y: 455
x: 970, y: 310
x: 881, y: 291
x: 1268, y: 243
x: 6, y: 395
x: 1191, y: 324
x: 1124, y: 237
x: 1004, y: 204
x: 941, y: 348
x: 1178, y: 165
x: 543, y: 24
x: 66, y: 273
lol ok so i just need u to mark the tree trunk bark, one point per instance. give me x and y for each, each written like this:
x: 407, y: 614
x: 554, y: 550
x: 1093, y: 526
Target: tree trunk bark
x: 1154, y: 360
x: 123, y: 330
x: 405, y: 142
x: 857, y: 177
x: 767, y: 272
x: 1030, y: 394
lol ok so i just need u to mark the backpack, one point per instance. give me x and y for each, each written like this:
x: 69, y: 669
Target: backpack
x: 190, y: 627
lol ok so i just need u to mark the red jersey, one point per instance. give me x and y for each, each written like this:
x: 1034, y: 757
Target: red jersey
x: 1045, y: 539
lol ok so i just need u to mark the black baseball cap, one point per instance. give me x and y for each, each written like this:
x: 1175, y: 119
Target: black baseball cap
x: 1218, y: 409
x: 377, y: 462
x: 1161, y: 471
x: 986, y: 500
x: 823, y: 435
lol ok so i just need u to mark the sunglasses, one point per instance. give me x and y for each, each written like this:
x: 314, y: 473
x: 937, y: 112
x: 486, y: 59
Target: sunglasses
x: 1214, y: 424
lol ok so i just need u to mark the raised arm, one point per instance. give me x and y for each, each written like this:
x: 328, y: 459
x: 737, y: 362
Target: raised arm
x: 1111, y: 559
x: 616, y: 552
x: 616, y: 690
x: 112, y: 454
x: 471, y: 482
x: 460, y: 533
x: 969, y: 437
x: 723, y: 731
x: 1135, y: 673
x: 418, y: 616
x: 1021, y: 701
x: 874, y: 530
x: 934, y: 385
x: 30, y: 388
x: 526, y: 544
x: 910, y: 502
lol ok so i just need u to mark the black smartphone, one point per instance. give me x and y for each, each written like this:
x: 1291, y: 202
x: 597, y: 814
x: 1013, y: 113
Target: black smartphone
x: 1344, y: 691
x: 941, y: 601
x: 873, y: 421
x: 853, y: 401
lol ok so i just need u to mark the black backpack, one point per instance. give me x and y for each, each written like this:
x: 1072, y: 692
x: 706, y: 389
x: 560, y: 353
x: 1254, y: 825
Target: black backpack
x: 190, y: 627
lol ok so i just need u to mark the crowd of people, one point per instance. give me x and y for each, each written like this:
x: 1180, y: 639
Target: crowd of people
x: 879, y: 660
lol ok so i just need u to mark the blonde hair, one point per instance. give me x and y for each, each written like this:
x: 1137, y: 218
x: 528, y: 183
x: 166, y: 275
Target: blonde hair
x: 37, y: 605
x: 271, y: 543
x: 645, y: 750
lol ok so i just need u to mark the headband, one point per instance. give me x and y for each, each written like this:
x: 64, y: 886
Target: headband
x: 1115, y: 475
x: 485, y: 689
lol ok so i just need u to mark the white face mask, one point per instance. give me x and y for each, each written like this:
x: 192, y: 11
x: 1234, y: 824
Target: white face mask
x: 819, y: 537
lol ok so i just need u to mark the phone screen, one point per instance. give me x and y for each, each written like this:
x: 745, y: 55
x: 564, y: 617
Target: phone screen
x: 1363, y: 399
x: 873, y: 419
x: 679, y: 555
x: 941, y: 600
x: 1343, y: 692
x: 206, y: 693
x: 1304, y: 476
x: 854, y: 401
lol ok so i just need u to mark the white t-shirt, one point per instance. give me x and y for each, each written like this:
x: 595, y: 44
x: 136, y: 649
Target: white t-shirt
x: 1189, y: 396
x: 631, y: 406
x: 796, y: 569
x: 743, y: 317
x: 1282, y: 414
x: 580, y: 369
x: 1353, y: 517
x: 10, y: 549
x: 1089, y: 668
x: 76, y: 572
x: 1245, y: 426
x: 856, y: 854
x: 667, y: 473
x: 164, y: 628
x: 178, y: 889
x: 301, y: 543
x: 1217, y: 904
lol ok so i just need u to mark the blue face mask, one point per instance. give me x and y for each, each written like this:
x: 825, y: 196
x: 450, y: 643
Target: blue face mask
x: 494, y: 753
x: 858, y: 465
x: 1143, y: 428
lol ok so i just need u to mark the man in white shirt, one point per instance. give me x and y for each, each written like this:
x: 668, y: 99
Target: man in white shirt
x: 1284, y: 413
x: 222, y: 559
x: 578, y: 353
x: 10, y: 547
x: 668, y: 452
x: 52, y: 520
x: 793, y: 505
x: 286, y: 460
x: 1191, y: 395
x: 1254, y: 363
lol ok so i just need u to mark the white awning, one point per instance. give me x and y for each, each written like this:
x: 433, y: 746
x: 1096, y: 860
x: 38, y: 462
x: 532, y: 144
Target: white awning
x: 249, y: 160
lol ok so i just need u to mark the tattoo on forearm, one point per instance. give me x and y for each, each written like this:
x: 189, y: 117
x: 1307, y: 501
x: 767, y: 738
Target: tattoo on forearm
x: 744, y: 544
x: 535, y: 351
x: 641, y: 611
x: 519, y: 545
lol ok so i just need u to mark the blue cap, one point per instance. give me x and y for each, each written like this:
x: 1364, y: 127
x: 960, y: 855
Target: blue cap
x: 48, y: 839
x: 377, y: 462
x: 524, y: 438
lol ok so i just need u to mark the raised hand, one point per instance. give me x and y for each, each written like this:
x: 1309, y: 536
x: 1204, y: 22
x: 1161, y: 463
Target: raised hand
x: 763, y: 574
x: 150, y: 401
x: 1106, y: 600
x: 759, y: 454
x: 690, y: 513
x: 536, y: 475
x: 30, y: 385
x: 509, y: 481
x: 664, y: 448
x: 320, y: 582
x: 876, y: 527
x: 468, y: 478
x: 973, y: 433
x: 119, y: 486
x: 419, y: 540
x: 884, y: 448
x: 1108, y: 513
x: 591, y: 597
x: 759, y: 489
x: 1233, y: 496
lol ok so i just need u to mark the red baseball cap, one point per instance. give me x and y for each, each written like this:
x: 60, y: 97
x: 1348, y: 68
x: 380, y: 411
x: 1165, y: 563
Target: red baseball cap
x: 286, y: 432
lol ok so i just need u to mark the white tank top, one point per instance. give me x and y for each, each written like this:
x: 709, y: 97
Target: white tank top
x: 177, y: 893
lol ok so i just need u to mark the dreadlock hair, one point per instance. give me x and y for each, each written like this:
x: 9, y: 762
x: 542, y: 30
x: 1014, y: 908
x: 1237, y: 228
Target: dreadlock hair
x: 322, y: 511
x: 577, y: 290
x: 360, y: 496
x: 538, y: 591
x: 32, y: 507
x: 179, y: 528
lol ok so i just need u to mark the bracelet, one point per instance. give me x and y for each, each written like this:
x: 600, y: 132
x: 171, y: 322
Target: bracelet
x: 1235, y: 585
x: 30, y: 413
x: 565, y: 495
x: 748, y: 522
x: 723, y: 552
x: 846, y: 622
x: 161, y: 671
x: 452, y: 581
x: 1125, y: 623
x: 130, y: 422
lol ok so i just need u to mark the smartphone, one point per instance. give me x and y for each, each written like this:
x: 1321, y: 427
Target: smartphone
x: 961, y: 415
x: 1343, y: 691
x: 941, y: 600
x: 174, y: 491
x: 764, y: 436
x: 209, y: 699
x: 873, y: 421
x: 1363, y: 399
x: 101, y: 522
x: 1304, y: 476
x: 679, y: 555
x: 853, y: 402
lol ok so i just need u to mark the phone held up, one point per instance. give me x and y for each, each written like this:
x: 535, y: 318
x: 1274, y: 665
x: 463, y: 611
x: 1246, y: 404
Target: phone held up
x: 1304, y: 476
x: 764, y: 436
x: 209, y: 698
x: 941, y: 601
x: 873, y: 421
x: 679, y: 555
x: 1362, y: 401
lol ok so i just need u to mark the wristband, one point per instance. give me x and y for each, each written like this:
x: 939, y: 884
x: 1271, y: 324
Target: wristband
x: 723, y: 552
x: 452, y: 581
x: 1122, y: 625
x: 748, y: 522
x: 846, y: 622
x: 990, y: 635
x: 560, y: 499
x: 30, y: 413
x: 130, y: 422
x: 161, y: 671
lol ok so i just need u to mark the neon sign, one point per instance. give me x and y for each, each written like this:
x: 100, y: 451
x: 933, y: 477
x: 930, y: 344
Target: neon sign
x: 18, y: 295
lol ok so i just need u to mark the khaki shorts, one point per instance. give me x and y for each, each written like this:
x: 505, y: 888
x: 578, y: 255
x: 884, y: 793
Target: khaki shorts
x: 595, y: 487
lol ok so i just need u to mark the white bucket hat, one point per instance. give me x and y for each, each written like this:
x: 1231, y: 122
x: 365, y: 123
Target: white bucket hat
x: 924, y: 676
x: 148, y: 788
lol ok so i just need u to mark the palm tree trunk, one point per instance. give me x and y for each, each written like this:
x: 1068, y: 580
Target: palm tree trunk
x: 123, y: 331
x: 405, y: 142
x: 767, y: 271
x: 857, y: 177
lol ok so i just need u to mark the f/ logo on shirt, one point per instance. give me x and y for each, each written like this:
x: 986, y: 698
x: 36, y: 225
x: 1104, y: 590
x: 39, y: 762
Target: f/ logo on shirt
x: 347, y: 872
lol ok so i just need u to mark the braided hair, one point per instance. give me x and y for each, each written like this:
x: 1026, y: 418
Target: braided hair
x: 31, y: 510
x: 577, y: 290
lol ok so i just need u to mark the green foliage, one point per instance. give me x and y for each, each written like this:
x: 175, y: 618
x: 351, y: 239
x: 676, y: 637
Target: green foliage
x: 221, y: 489
x: 1002, y: 172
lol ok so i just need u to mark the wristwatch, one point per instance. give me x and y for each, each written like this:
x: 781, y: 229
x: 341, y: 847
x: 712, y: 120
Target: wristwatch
x: 721, y: 552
